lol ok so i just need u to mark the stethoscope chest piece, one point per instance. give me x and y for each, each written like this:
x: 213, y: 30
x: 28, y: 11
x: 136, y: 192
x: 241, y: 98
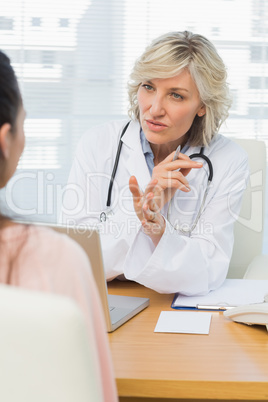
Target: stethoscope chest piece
x: 105, y: 215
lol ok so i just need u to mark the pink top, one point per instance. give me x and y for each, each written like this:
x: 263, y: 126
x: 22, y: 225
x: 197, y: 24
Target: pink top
x: 41, y: 259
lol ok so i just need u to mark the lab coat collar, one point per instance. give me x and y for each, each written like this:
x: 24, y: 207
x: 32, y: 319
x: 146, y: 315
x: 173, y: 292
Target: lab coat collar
x: 207, y: 149
x: 135, y: 159
x: 193, y: 150
x: 131, y: 137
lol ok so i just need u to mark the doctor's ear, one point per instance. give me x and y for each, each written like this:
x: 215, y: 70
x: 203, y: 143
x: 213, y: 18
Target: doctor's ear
x: 5, y: 140
x: 202, y: 111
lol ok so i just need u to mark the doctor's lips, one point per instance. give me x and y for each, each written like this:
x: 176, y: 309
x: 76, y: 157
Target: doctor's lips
x: 155, y: 125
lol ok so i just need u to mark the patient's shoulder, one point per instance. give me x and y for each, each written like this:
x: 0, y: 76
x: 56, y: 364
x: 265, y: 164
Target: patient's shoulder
x: 42, y: 246
x: 60, y: 245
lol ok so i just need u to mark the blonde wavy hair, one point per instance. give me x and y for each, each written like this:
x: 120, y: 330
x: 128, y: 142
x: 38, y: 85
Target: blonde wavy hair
x: 166, y: 57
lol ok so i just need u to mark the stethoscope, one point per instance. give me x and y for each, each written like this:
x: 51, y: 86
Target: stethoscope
x: 105, y: 215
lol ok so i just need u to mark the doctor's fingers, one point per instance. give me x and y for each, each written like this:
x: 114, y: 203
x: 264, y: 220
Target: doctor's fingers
x: 151, y: 187
x: 173, y: 180
x: 154, y: 228
x: 138, y: 197
x: 134, y: 187
x: 183, y: 164
x: 153, y: 224
x: 155, y: 197
x: 148, y: 213
x: 171, y: 156
x: 151, y: 203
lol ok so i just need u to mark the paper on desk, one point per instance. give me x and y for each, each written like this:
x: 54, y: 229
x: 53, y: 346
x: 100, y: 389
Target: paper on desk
x: 183, y: 322
x: 233, y: 292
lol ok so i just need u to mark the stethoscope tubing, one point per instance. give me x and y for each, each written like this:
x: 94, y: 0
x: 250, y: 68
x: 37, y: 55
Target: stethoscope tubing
x: 202, y: 156
x: 116, y: 162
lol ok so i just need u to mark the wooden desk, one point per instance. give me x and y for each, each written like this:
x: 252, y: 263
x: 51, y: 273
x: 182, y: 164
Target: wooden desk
x: 231, y: 363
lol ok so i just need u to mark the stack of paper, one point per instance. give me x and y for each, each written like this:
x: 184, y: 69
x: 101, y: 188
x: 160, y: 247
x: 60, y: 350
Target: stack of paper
x: 233, y: 292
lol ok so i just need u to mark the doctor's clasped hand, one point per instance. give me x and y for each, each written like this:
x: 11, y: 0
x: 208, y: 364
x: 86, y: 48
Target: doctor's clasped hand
x: 167, y: 177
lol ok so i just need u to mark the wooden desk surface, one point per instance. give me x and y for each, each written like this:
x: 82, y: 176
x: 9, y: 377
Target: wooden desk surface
x: 231, y: 363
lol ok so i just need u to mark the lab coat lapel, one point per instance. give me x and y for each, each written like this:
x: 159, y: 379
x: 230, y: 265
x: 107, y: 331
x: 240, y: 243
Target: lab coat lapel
x: 192, y: 150
x: 135, y: 162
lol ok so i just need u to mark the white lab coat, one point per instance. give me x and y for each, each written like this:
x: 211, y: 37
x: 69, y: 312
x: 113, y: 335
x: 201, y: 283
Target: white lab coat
x: 189, y: 264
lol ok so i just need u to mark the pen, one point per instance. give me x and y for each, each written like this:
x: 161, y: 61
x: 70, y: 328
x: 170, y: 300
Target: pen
x: 178, y: 150
x: 218, y: 308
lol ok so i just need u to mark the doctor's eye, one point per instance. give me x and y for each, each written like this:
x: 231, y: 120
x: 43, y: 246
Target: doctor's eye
x: 175, y: 95
x: 147, y: 86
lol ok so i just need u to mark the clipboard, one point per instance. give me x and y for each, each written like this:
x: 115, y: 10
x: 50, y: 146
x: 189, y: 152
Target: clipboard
x: 232, y: 293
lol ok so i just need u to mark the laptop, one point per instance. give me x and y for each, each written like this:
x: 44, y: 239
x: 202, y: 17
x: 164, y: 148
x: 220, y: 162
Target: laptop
x: 117, y: 309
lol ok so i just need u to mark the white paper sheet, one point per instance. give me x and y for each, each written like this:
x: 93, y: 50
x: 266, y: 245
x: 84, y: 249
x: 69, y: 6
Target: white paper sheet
x: 183, y: 322
x: 233, y: 292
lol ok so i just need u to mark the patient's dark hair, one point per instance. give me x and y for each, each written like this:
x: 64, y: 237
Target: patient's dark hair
x: 10, y: 97
x: 10, y: 103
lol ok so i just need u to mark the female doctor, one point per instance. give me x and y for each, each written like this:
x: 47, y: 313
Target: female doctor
x: 164, y: 188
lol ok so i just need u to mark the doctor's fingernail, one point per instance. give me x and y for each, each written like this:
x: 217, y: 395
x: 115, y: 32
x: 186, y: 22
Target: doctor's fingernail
x: 187, y: 188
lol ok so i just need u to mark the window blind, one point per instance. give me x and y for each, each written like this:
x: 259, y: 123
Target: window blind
x: 73, y: 59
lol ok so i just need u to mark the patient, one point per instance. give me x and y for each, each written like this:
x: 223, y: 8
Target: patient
x: 37, y: 257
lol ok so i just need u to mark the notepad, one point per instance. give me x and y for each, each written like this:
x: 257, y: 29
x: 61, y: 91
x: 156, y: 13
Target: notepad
x: 233, y: 292
x: 183, y: 322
